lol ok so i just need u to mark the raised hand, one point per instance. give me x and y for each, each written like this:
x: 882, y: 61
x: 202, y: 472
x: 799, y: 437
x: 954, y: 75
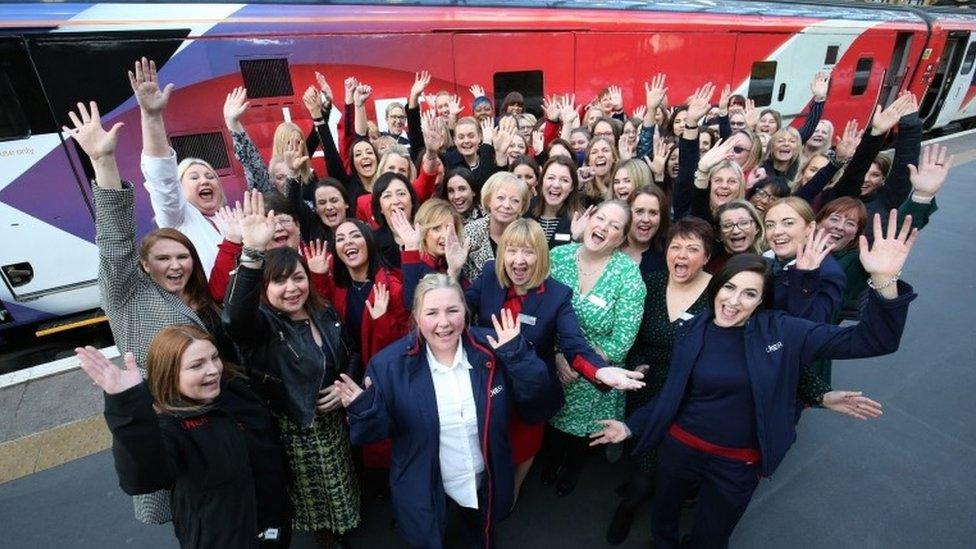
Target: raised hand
x: 613, y: 431
x: 420, y: 82
x: 584, y: 175
x: 435, y: 132
x: 145, y: 84
x: 89, y: 133
x: 349, y: 390
x: 361, y: 94
x: 810, y: 254
x: 318, y: 257
x: 487, y: 131
x: 820, y: 85
x: 567, y: 110
x: 579, y: 222
x: 226, y: 219
x: 721, y: 151
x: 660, y: 158
x: 112, y: 380
x: 506, y: 329
x: 235, y: 105
x: 755, y: 176
x: 507, y: 128
x: 884, y: 120
x: 454, y: 106
x: 654, y: 92
x: 257, y: 227
x: 456, y: 254
x: 312, y: 99
x: 551, y: 107
x: 381, y: 300
x: 699, y: 104
x: 751, y: 113
x: 640, y: 111
x: 350, y: 84
x: 329, y: 400
x: 616, y: 98
x: 409, y: 234
x: 293, y: 157
x: 626, y: 147
x: 538, y: 141
x: 620, y: 378
x: 852, y: 403
x: 887, y: 254
x: 723, y: 100
x: 848, y: 141
x: 477, y: 91
x: 931, y: 172
x: 323, y: 86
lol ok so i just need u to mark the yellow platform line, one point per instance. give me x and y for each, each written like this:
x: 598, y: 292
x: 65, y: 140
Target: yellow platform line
x: 71, y: 325
x: 41, y: 451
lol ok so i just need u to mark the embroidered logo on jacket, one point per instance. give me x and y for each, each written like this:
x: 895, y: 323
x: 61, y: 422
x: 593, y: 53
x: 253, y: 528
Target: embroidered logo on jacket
x: 774, y: 347
x: 497, y: 389
x: 193, y: 423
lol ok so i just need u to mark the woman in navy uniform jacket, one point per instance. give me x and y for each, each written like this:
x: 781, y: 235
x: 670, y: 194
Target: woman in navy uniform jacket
x: 725, y: 414
x: 451, y: 461
x: 518, y: 280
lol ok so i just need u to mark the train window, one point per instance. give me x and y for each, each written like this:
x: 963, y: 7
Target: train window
x: 761, y: 82
x: 862, y: 75
x: 528, y: 83
x: 13, y: 123
x: 207, y: 146
x: 831, y: 57
x: 266, y: 78
x: 969, y: 60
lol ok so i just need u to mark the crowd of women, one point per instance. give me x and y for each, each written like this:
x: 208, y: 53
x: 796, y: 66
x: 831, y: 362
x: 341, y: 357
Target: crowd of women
x: 460, y: 298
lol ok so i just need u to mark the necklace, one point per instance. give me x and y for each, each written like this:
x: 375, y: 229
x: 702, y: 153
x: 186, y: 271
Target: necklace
x: 579, y: 265
x: 360, y: 285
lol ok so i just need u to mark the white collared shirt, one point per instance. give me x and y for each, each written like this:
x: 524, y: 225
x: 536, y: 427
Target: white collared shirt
x: 460, y: 449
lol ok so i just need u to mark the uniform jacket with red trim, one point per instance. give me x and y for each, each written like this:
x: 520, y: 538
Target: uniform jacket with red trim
x: 401, y: 404
x: 777, y: 346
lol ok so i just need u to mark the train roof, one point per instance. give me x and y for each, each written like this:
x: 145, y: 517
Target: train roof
x: 829, y: 9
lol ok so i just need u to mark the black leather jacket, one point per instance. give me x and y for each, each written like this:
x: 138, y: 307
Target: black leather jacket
x: 280, y: 355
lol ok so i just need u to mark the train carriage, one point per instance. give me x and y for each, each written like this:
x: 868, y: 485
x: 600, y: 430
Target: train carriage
x: 54, y: 54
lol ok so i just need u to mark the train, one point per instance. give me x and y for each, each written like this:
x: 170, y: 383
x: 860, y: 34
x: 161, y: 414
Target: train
x: 55, y: 54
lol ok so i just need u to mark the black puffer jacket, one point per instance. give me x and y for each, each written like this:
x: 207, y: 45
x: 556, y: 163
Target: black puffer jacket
x: 218, y: 498
x: 281, y: 357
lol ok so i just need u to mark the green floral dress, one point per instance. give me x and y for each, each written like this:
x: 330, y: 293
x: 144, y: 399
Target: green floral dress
x: 609, y: 316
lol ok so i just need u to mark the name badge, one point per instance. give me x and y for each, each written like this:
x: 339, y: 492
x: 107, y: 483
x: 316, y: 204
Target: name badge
x: 686, y: 316
x: 597, y: 300
x: 526, y: 319
x: 562, y: 237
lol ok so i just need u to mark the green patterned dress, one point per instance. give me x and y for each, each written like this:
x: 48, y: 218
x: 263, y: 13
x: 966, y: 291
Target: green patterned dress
x: 609, y: 316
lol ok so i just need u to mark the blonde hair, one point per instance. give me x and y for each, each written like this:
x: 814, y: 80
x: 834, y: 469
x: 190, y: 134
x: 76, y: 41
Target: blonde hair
x: 785, y: 132
x: 799, y: 205
x: 590, y: 188
x: 638, y: 170
x: 435, y: 281
x: 727, y: 165
x: 740, y: 204
x: 523, y: 233
x: 282, y: 135
x: 401, y: 151
x: 434, y: 213
x: 188, y: 163
x: 795, y: 183
x: 503, y: 179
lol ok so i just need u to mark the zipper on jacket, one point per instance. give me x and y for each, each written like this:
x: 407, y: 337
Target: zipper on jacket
x: 281, y: 335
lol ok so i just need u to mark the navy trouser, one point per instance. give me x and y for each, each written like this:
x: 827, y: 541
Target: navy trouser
x: 726, y: 488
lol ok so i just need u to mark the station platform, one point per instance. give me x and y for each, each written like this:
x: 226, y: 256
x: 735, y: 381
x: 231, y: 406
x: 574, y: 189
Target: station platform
x: 905, y: 480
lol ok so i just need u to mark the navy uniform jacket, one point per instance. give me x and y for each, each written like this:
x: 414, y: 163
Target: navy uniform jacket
x: 401, y: 404
x: 777, y: 346
x: 547, y: 314
x: 815, y: 295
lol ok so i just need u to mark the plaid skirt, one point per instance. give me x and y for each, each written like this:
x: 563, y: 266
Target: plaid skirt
x: 324, y: 490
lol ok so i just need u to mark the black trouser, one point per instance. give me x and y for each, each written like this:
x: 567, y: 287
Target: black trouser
x: 465, y: 527
x: 726, y: 488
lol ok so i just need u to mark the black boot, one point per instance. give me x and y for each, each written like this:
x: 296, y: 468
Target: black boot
x: 575, y: 460
x: 620, y: 524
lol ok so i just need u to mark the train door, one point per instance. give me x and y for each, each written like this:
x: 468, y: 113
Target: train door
x: 531, y: 63
x: 944, y: 95
x: 897, y: 69
x: 48, y: 258
x: 958, y: 98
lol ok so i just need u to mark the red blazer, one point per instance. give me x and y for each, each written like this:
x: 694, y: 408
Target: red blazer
x: 226, y: 262
x: 374, y: 334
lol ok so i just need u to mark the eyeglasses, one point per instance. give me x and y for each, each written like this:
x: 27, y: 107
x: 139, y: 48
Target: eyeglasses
x: 762, y: 194
x: 741, y: 225
x: 739, y: 150
x: 398, y: 116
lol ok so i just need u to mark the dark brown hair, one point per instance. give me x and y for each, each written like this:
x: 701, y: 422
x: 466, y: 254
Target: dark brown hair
x: 279, y: 264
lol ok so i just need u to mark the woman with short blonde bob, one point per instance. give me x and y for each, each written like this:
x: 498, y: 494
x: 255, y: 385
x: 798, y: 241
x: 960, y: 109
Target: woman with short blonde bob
x: 783, y: 153
x: 444, y: 394
x: 504, y: 198
x: 425, y: 243
x: 197, y: 428
x: 718, y: 179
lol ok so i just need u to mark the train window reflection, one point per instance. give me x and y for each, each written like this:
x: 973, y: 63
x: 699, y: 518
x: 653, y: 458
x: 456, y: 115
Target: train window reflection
x: 528, y: 83
x: 967, y: 62
x: 761, y: 82
x: 862, y: 74
x: 13, y: 123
